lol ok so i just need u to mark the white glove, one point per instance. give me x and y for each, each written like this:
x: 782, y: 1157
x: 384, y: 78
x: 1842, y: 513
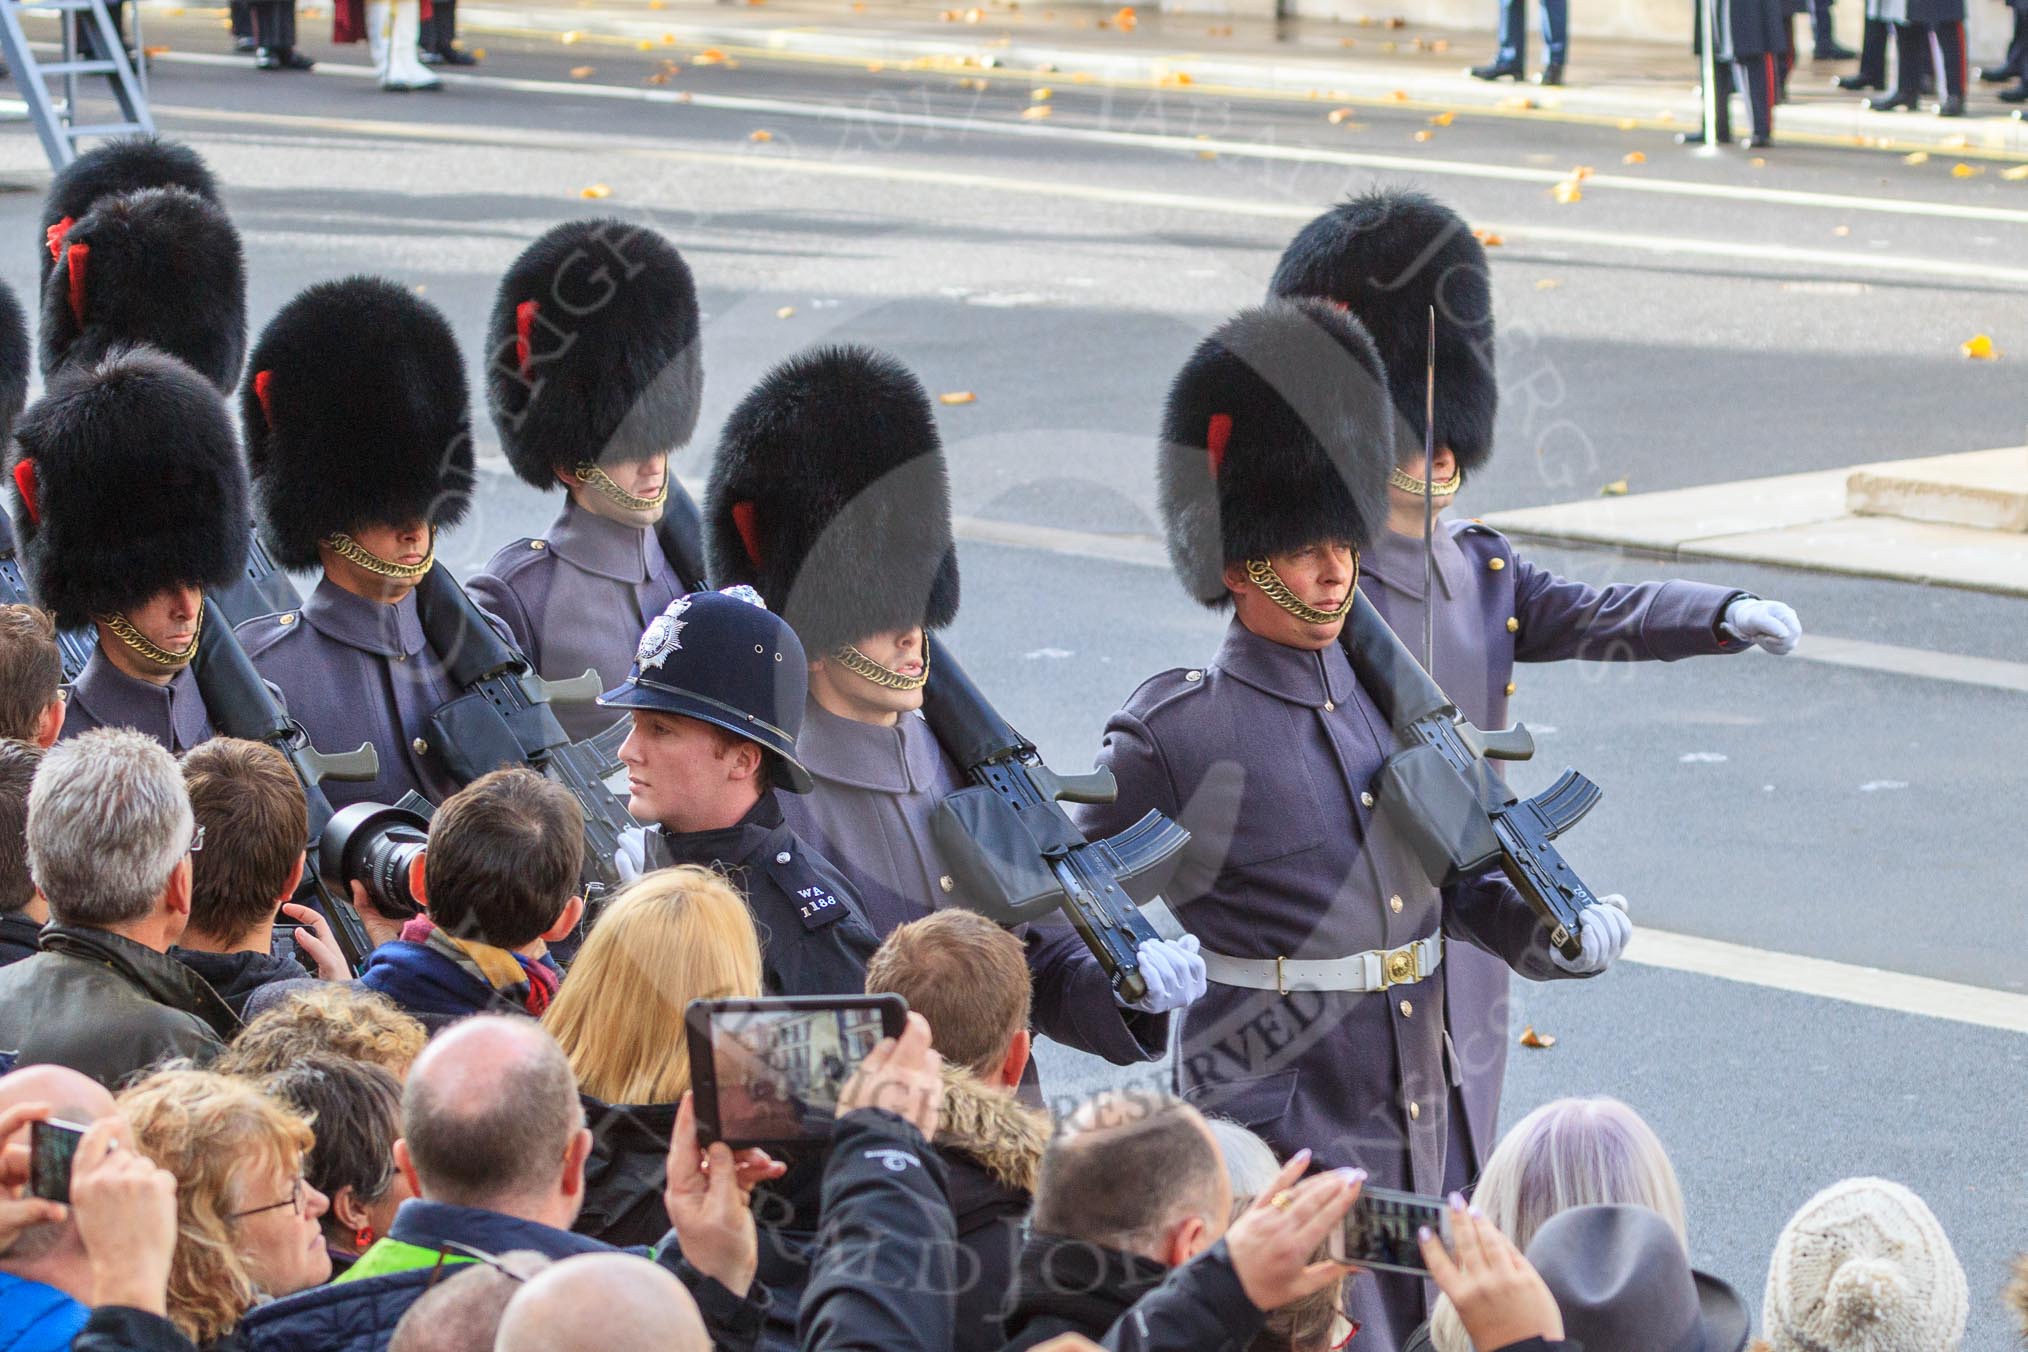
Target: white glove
x: 1604, y: 928
x: 1174, y: 973
x: 631, y: 859
x: 1769, y: 624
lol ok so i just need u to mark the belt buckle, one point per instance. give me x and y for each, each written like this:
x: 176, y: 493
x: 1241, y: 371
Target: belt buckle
x: 1400, y: 967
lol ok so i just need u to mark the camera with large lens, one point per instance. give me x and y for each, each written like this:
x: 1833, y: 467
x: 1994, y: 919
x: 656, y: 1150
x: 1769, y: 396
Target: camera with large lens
x: 381, y: 846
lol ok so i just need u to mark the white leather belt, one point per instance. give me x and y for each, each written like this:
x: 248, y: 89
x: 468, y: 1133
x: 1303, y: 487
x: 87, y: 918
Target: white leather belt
x: 1377, y: 969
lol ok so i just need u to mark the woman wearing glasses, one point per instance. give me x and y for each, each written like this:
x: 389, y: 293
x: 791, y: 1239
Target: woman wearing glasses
x: 249, y: 1226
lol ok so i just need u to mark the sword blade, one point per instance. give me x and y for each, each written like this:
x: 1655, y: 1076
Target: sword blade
x: 1429, y: 506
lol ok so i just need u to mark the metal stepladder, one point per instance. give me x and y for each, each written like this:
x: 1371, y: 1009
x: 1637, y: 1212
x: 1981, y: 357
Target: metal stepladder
x: 56, y: 119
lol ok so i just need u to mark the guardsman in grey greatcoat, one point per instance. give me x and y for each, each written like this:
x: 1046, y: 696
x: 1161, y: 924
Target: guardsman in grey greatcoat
x: 357, y: 436
x: 829, y: 494
x: 593, y: 376
x: 1387, y: 257
x: 1325, y: 942
x: 130, y: 500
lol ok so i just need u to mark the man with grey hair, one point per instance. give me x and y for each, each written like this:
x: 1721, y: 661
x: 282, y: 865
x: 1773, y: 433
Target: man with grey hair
x: 493, y: 1146
x: 110, y: 837
x: 608, y: 1302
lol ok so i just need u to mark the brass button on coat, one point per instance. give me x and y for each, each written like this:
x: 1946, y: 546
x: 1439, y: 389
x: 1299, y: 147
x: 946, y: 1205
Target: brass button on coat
x: 1513, y: 625
x: 1366, y: 800
x: 1394, y: 904
x: 1496, y: 564
x: 420, y: 747
x: 1414, y: 1111
x: 1407, y: 1010
x: 1510, y: 687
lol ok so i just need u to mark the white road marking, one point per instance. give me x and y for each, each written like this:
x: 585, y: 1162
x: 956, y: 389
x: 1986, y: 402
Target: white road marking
x: 1985, y: 276
x: 1870, y: 656
x: 1827, y: 980
x: 1190, y: 145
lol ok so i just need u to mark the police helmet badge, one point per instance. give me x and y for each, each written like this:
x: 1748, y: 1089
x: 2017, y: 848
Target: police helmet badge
x: 664, y: 636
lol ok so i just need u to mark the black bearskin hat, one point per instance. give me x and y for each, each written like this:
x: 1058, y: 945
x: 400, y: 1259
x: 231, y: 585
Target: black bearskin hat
x: 592, y: 350
x: 162, y: 267
x: 128, y: 481
x: 1388, y: 256
x: 830, y: 497
x: 1276, y: 435
x: 356, y: 414
x: 14, y: 359
x: 127, y: 164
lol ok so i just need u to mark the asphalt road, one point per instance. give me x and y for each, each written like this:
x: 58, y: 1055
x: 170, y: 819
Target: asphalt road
x: 1723, y: 321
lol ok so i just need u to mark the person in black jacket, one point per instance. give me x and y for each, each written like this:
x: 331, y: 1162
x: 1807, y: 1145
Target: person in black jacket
x: 969, y: 978
x: 109, y: 841
x: 249, y: 805
x: 22, y: 912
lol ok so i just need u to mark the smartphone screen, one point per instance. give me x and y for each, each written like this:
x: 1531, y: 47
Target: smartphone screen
x: 51, y: 1146
x: 772, y: 1069
x: 282, y: 944
x: 1380, y: 1230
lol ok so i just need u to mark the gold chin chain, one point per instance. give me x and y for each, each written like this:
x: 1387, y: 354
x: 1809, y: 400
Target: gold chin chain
x: 588, y: 473
x: 1442, y: 488
x: 859, y: 664
x: 345, y: 547
x: 124, y: 630
x: 1263, y: 575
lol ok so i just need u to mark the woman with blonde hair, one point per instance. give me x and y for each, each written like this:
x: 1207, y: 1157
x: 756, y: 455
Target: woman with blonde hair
x: 1568, y: 1153
x: 673, y: 936
x: 247, y: 1222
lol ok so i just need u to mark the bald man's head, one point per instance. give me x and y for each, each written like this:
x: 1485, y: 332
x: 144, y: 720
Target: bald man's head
x: 462, y: 1312
x: 490, y: 1113
x: 1136, y: 1172
x: 603, y: 1302
x: 72, y: 1098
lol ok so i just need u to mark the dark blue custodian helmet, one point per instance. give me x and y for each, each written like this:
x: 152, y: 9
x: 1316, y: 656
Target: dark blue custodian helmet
x: 724, y: 658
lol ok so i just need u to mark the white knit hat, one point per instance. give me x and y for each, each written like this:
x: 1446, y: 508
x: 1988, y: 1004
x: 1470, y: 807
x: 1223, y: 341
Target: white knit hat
x: 1864, y: 1267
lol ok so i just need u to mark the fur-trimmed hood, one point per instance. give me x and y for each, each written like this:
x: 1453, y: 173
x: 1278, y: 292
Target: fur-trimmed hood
x: 1003, y: 1135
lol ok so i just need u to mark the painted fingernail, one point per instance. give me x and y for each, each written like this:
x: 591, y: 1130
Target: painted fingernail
x: 1303, y: 1155
x: 1478, y: 1214
x: 1349, y: 1176
x: 1457, y: 1200
x: 1424, y: 1234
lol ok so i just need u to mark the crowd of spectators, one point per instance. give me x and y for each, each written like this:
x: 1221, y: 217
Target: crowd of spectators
x: 463, y: 1150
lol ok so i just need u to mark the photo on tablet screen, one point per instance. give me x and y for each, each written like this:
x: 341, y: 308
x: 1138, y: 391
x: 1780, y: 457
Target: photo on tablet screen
x: 779, y: 1071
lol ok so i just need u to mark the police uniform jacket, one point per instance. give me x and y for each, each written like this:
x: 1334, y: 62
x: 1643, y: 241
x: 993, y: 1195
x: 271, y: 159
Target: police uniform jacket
x: 103, y: 696
x: 1494, y: 609
x: 355, y: 670
x: 814, y: 937
x: 876, y: 788
x: 579, y: 597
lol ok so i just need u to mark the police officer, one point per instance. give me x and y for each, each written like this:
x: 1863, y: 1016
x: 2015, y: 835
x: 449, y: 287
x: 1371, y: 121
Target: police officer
x: 1389, y: 256
x: 716, y: 693
x: 829, y: 493
x: 358, y: 439
x: 593, y: 377
x: 1325, y: 942
x: 130, y: 500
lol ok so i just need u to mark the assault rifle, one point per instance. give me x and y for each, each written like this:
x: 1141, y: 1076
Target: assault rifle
x: 240, y: 704
x: 1457, y: 814
x: 1013, y: 852
x: 503, y: 718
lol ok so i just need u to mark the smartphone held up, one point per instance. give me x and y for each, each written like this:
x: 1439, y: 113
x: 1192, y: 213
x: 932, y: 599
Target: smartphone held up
x: 1382, y: 1231
x: 768, y: 1072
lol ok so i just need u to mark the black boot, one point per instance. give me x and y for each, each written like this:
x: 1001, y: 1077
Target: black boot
x: 1856, y: 83
x: 1551, y: 76
x: 443, y: 35
x: 1497, y: 70
x: 2017, y: 94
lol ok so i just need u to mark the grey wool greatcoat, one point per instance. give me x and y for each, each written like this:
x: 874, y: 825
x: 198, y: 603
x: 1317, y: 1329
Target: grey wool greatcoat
x: 577, y: 597
x: 1268, y: 756
x: 103, y: 696
x: 1748, y: 30
x: 352, y: 671
x: 1488, y: 617
x: 876, y: 788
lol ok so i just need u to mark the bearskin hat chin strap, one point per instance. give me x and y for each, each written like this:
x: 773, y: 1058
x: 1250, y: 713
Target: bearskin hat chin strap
x: 149, y: 651
x: 349, y: 549
x: 589, y: 473
x: 859, y: 664
x: 1263, y: 575
x: 1442, y: 488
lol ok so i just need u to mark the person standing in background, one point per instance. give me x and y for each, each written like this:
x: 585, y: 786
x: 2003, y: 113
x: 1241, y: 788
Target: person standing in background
x: 1511, y: 63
